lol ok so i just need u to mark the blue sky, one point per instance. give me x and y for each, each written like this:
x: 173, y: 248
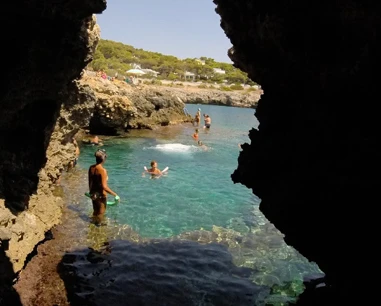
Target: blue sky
x: 183, y: 28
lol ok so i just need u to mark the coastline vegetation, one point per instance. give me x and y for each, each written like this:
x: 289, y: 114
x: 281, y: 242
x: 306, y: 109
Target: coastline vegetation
x: 115, y: 57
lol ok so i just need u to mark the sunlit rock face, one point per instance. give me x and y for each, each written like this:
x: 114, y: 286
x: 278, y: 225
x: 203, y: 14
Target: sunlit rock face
x: 45, y: 46
x: 314, y: 158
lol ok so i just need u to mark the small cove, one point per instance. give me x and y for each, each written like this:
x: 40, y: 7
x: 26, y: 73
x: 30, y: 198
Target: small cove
x: 195, y: 205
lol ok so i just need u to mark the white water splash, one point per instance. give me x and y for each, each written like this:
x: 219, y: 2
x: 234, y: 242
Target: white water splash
x: 174, y: 147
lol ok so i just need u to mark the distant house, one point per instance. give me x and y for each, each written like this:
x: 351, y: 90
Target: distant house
x: 218, y: 70
x: 189, y: 75
x: 201, y: 62
x: 151, y: 72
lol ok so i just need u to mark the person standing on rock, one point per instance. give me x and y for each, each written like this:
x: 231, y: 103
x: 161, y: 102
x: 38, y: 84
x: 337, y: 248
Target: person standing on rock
x: 98, y: 186
x: 73, y: 163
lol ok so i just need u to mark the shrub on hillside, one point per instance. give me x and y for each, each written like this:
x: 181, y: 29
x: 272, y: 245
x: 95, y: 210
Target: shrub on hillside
x: 156, y: 82
x: 236, y: 87
x: 225, y: 88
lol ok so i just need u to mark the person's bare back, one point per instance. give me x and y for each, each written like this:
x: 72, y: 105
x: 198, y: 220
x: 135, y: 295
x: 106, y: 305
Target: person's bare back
x: 96, y: 175
x: 98, y: 188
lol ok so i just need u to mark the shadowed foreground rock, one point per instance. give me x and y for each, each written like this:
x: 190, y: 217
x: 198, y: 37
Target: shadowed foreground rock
x: 313, y: 161
x: 39, y: 66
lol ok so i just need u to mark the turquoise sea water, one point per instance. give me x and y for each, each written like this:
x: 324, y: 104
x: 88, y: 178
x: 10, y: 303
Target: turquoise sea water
x: 191, y: 237
x: 197, y: 192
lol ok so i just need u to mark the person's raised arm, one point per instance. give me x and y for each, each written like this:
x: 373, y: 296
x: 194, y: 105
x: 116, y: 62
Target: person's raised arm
x: 104, y: 183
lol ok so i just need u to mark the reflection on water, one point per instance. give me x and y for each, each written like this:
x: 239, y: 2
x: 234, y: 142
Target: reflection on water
x: 244, y: 263
x: 161, y: 272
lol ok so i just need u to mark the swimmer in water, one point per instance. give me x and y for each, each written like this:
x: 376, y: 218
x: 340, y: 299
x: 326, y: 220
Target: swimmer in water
x: 195, y: 135
x: 201, y: 144
x: 154, y: 170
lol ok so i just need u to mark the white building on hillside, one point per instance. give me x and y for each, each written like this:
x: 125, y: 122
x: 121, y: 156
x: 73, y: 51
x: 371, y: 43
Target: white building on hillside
x: 189, y: 75
x: 151, y: 72
x: 218, y: 70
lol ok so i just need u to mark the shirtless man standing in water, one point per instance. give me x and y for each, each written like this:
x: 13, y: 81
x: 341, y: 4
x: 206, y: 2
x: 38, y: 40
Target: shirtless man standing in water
x: 98, y: 186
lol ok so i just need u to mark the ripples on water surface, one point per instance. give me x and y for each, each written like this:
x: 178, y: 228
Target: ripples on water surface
x: 191, y: 237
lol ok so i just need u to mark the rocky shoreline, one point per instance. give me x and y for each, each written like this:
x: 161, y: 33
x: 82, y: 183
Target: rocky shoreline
x: 120, y: 106
x: 92, y: 105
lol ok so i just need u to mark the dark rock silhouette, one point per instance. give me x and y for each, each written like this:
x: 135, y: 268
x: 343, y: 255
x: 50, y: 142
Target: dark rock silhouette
x: 314, y: 159
x: 8, y: 295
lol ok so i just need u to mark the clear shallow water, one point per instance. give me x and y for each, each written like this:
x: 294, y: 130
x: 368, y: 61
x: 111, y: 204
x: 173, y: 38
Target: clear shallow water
x: 196, y: 193
x: 191, y: 237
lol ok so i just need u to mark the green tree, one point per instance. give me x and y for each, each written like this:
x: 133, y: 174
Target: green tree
x: 115, y: 56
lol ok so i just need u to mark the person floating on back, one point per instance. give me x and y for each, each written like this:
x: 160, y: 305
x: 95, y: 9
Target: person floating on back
x: 98, y: 186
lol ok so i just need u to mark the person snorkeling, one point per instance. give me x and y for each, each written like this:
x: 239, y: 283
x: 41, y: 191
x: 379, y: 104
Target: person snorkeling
x: 98, y: 187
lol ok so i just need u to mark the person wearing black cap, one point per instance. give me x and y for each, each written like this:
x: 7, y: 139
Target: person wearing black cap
x: 98, y: 186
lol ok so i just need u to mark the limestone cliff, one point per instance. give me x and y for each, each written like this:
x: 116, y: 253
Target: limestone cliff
x: 38, y: 71
x: 119, y: 107
x: 314, y: 160
x: 194, y: 95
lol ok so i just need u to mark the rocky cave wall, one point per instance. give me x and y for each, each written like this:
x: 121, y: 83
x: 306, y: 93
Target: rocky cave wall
x: 39, y: 66
x: 313, y: 160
